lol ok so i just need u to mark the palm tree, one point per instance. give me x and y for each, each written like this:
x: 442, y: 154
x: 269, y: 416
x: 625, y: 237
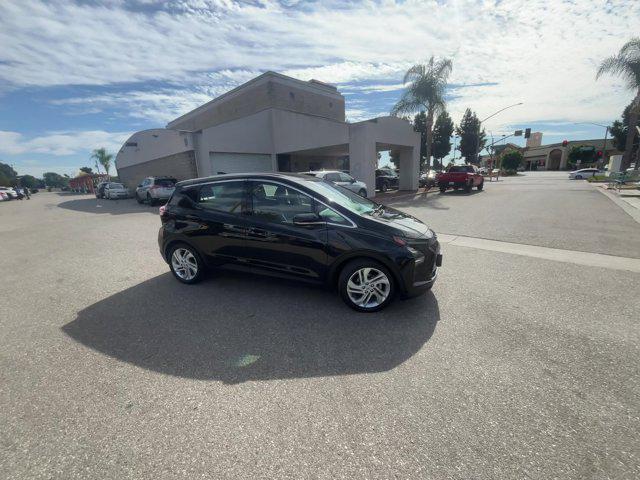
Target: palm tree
x: 103, y: 158
x: 626, y: 64
x: 425, y: 91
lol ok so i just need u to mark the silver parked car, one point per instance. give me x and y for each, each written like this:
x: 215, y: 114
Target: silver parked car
x: 343, y: 179
x: 155, y: 189
x: 584, y: 173
x: 115, y: 190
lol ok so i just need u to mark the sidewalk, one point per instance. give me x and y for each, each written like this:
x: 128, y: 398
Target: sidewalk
x: 628, y: 200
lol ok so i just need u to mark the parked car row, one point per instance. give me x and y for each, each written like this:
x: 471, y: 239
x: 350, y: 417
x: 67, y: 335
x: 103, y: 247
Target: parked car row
x: 14, y: 193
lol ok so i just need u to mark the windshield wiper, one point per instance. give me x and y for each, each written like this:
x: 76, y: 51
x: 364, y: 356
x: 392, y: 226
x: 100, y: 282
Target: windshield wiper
x: 379, y: 210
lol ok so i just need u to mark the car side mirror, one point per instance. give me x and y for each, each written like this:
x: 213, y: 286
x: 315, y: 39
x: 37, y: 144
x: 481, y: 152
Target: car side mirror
x: 305, y: 219
x: 140, y: 186
x: 353, y: 180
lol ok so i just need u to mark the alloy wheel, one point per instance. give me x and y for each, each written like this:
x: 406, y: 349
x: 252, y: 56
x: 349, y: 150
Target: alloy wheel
x: 368, y: 287
x: 184, y: 264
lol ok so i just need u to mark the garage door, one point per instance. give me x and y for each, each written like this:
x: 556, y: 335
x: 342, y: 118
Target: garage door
x: 239, y: 162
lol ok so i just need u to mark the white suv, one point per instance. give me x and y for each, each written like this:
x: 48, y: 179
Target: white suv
x: 154, y: 189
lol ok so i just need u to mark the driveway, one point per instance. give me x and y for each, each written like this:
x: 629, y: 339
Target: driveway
x: 514, y: 366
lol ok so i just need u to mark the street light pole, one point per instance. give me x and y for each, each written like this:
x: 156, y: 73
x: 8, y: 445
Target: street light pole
x: 487, y: 118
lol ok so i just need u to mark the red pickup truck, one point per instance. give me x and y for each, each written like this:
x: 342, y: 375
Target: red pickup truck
x: 460, y: 176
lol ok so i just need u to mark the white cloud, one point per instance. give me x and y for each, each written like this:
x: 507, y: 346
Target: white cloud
x: 61, y: 143
x: 538, y: 52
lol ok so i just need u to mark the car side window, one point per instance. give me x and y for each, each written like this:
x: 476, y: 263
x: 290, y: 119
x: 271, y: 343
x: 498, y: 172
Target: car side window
x: 330, y: 215
x: 275, y: 203
x: 223, y: 197
x: 345, y: 178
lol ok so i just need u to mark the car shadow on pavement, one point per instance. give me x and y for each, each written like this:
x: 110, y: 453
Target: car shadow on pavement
x: 104, y: 206
x: 234, y: 328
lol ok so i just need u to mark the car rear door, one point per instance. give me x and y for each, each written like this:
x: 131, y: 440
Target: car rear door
x: 274, y: 243
x: 214, y: 221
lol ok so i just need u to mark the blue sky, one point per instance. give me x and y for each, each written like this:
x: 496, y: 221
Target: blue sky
x: 75, y: 76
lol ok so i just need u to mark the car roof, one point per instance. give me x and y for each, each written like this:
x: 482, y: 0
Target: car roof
x: 295, y: 177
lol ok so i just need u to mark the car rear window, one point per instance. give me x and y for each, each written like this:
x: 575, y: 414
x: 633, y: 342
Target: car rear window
x: 165, y: 182
x: 461, y: 168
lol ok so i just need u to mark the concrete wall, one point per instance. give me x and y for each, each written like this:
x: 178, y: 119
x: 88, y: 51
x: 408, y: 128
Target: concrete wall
x: 294, y: 131
x: 151, y: 144
x: 181, y: 166
x: 269, y: 90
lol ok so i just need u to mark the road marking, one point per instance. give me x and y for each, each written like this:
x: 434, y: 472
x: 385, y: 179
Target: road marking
x: 557, y: 254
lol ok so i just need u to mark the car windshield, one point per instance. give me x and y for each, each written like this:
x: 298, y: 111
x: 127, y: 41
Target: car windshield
x: 116, y: 185
x: 343, y: 197
x: 462, y: 168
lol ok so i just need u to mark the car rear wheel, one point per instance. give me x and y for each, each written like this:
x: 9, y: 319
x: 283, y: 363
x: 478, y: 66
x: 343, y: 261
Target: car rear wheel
x: 481, y: 186
x: 150, y: 200
x: 443, y: 189
x: 384, y: 187
x: 366, y: 285
x: 468, y: 187
x: 363, y: 193
x: 139, y: 200
x: 185, y: 264
x: 578, y: 177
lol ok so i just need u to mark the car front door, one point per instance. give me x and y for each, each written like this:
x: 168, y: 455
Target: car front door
x: 274, y: 243
x: 212, y: 216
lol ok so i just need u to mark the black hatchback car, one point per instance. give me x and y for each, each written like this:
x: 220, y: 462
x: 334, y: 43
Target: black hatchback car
x: 298, y: 227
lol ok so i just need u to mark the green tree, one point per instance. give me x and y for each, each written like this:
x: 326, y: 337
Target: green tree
x: 88, y: 170
x: 442, y: 132
x: 472, y: 139
x: 626, y: 64
x: 420, y: 126
x: 7, y: 174
x: 426, y: 86
x: 620, y: 129
x: 512, y: 160
x: 29, y: 181
x: 584, y: 154
x: 394, y: 158
x: 103, y: 158
x: 52, y: 179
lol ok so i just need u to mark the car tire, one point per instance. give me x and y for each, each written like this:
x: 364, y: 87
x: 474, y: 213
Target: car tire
x: 352, y: 277
x: 186, y: 264
x: 578, y: 177
x: 481, y: 185
x: 384, y: 187
x: 138, y: 199
x: 362, y: 193
x: 468, y: 187
x: 150, y: 200
x: 443, y: 189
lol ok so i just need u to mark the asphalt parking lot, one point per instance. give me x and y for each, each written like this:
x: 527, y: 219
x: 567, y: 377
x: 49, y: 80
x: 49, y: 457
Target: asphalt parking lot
x: 514, y: 366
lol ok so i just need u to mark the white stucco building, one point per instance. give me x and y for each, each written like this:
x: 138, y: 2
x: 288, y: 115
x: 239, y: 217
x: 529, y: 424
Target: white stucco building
x: 270, y: 123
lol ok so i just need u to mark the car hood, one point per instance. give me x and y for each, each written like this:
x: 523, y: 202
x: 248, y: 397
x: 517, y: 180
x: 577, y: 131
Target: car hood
x: 409, y: 226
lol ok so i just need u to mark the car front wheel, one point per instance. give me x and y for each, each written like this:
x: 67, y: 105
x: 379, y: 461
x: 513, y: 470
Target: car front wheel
x: 363, y: 193
x: 366, y: 285
x: 185, y: 264
x: 138, y: 198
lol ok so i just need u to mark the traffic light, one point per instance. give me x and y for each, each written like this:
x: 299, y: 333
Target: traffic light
x: 527, y: 133
x: 565, y: 143
x: 599, y: 154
